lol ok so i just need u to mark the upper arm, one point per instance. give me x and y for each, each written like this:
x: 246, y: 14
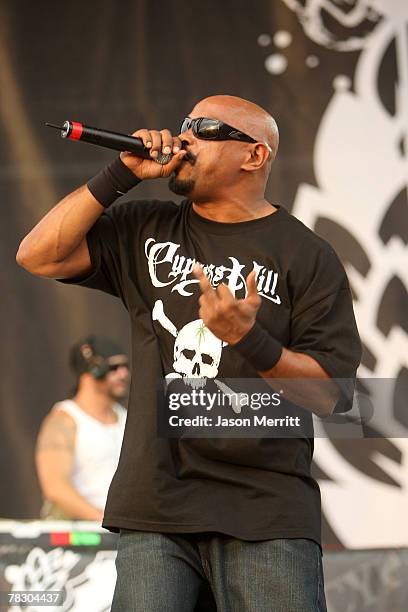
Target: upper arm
x: 104, y: 257
x: 78, y: 263
x: 327, y: 331
x: 323, y: 324
x: 55, y: 448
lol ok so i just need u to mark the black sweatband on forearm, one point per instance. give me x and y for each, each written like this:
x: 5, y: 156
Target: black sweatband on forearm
x: 259, y: 348
x: 112, y: 182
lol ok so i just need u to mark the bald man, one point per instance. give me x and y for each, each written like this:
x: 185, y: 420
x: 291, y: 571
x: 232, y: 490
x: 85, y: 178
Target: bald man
x: 222, y: 289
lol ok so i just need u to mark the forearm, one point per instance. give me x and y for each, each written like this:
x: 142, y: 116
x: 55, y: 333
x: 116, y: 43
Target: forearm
x: 303, y: 382
x: 60, y: 232
x: 68, y: 499
x: 301, y: 378
x: 57, y: 247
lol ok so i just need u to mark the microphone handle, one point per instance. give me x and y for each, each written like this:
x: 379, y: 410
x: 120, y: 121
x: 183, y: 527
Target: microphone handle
x: 73, y: 130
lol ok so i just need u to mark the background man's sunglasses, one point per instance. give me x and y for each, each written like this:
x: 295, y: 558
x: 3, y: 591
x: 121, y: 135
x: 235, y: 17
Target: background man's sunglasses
x: 115, y: 366
x: 212, y: 129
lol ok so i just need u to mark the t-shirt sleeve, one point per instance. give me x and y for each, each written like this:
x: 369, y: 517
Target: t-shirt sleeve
x: 323, y: 324
x: 105, y: 249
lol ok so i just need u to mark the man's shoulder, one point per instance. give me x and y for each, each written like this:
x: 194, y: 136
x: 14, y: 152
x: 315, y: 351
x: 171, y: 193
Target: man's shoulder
x: 134, y: 211
x: 120, y: 411
x: 305, y: 234
x: 57, y: 425
x: 311, y: 253
x: 119, y: 407
x: 61, y: 413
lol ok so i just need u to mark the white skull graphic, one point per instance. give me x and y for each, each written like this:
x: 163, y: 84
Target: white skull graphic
x: 197, y: 353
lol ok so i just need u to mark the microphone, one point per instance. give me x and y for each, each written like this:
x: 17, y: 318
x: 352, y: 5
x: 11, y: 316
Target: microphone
x: 73, y: 130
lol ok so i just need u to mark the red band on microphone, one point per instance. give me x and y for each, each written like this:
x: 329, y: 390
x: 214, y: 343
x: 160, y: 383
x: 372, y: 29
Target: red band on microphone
x: 77, y: 129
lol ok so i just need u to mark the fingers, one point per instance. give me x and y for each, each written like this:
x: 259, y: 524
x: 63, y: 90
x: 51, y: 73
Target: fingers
x: 222, y: 291
x: 225, y: 294
x: 205, y: 285
x: 168, y: 144
x: 145, y: 136
x: 168, y: 168
x: 159, y: 141
x: 157, y: 144
x: 251, y: 283
x: 252, y: 290
x: 176, y: 144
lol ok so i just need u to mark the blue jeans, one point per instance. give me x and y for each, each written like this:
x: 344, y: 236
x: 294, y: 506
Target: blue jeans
x: 212, y: 572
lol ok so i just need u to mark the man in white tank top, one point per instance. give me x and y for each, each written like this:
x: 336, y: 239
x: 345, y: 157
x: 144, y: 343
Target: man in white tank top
x: 79, y: 442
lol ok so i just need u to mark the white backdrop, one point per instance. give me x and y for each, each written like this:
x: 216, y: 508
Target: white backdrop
x: 360, y: 204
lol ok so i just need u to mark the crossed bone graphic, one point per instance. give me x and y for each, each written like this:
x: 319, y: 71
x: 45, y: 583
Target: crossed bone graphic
x: 197, y: 354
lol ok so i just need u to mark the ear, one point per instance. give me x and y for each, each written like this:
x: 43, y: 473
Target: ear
x: 257, y: 157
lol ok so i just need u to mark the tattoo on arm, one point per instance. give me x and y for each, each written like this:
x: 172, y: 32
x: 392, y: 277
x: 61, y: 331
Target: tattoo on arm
x: 56, y: 434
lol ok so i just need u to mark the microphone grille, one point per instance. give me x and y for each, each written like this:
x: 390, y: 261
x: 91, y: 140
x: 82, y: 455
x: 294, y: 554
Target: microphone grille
x: 163, y: 159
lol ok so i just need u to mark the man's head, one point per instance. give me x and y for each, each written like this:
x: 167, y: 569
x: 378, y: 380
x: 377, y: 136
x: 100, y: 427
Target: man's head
x: 102, y: 363
x: 214, y: 167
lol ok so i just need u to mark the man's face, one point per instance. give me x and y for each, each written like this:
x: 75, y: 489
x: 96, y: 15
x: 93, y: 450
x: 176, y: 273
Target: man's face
x: 116, y: 382
x: 210, y: 165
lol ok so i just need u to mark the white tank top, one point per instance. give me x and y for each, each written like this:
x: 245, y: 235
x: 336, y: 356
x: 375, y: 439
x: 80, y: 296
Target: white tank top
x: 97, y: 450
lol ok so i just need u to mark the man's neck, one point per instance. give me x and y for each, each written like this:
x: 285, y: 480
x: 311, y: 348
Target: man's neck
x: 96, y: 405
x: 234, y: 210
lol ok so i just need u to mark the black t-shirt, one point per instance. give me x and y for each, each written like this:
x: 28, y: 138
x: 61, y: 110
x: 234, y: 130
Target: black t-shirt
x: 252, y: 489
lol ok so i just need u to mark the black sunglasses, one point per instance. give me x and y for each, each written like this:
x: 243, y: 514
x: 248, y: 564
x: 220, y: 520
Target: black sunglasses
x: 213, y: 129
x: 115, y: 366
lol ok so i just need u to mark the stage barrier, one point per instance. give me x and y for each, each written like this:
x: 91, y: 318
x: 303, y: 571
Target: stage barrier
x: 78, y: 558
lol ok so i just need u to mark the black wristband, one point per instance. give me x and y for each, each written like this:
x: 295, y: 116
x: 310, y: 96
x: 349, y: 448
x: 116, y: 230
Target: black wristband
x: 259, y: 348
x: 112, y: 182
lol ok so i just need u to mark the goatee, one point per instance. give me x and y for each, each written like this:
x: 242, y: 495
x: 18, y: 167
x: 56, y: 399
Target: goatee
x: 180, y: 187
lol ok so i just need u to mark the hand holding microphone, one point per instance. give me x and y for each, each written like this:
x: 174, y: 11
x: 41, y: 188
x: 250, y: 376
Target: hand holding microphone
x: 160, y: 144
x: 147, y: 153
